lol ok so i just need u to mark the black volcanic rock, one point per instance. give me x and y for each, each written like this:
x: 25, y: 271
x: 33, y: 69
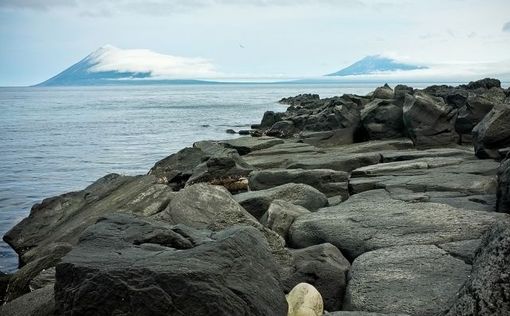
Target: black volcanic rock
x: 121, y: 267
x: 324, y: 267
x: 493, y: 132
x: 503, y: 193
x: 429, y: 121
x: 486, y: 83
x: 382, y: 119
x: 486, y: 292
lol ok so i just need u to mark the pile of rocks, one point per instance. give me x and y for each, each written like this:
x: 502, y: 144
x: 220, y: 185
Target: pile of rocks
x: 362, y: 205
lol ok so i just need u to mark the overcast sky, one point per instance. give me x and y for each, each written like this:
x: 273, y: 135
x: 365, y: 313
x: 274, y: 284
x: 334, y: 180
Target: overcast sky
x: 288, y: 38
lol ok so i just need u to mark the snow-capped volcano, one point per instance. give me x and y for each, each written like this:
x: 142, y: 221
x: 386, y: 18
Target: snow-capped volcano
x: 110, y: 64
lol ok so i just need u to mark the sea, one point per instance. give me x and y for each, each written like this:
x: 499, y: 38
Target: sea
x: 59, y: 139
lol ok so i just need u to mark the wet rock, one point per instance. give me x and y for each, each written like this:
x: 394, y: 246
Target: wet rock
x: 415, y: 279
x: 230, y: 131
x: 382, y: 119
x: 305, y: 300
x: 329, y: 182
x: 257, y: 202
x: 373, y: 220
x: 281, y: 215
x: 503, y: 191
x: 324, y: 267
x: 244, y: 132
x: 493, y: 132
x: 486, y: 292
x: 114, y: 269
x: 429, y: 120
x: 40, y: 302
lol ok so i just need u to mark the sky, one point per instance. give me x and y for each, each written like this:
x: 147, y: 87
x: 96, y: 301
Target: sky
x: 253, y: 38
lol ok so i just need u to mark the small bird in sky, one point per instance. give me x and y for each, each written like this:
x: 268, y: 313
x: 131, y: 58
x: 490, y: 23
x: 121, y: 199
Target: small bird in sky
x: 240, y: 45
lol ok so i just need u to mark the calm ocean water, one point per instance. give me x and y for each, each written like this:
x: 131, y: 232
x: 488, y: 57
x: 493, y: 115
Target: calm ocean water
x: 56, y: 140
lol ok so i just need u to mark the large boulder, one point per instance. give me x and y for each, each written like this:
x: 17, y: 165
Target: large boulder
x: 503, y: 193
x: 257, y: 202
x: 415, y: 279
x: 324, y: 267
x: 329, y: 182
x: 486, y: 291
x: 382, y: 119
x: 429, y: 121
x: 475, y: 109
x: 203, y: 206
x: 374, y: 219
x: 493, y: 132
x: 130, y: 266
x: 55, y: 224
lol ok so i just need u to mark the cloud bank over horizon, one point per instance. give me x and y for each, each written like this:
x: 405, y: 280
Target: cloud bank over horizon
x: 160, y: 66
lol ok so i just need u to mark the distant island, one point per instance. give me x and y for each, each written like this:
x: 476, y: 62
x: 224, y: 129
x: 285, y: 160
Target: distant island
x: 373, y: 65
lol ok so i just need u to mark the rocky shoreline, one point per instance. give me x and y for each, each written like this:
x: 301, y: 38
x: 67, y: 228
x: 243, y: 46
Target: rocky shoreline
x: 394, y: 203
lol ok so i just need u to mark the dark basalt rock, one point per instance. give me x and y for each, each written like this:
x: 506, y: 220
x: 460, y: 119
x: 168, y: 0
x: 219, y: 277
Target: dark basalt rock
x: 384, y: 92
x: 40, y: 302
x: 381, y: 119
x: 486, y: 83
x: 429, y: 121
x: 324, y: 267
x: 270, y: 118
x: 503, y: 193
x: 329, y: 182
x: 119, y: 267
x: 300, y: 99
x: 282, y: 129
x: 54, y: 225
x: 177, y: 168
x: 493, y: 132
x: 486, y: 292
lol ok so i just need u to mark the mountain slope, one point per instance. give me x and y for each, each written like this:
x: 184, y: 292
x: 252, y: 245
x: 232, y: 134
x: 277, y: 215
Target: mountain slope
x: 111, y: 65
x: 374, y: 64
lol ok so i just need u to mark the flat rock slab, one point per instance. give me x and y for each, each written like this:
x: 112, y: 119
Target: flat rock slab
x: 245, y: 145
x: 419, y: 280
x: 428, y: 180
x: 329, y: 182
x: 373, y: 220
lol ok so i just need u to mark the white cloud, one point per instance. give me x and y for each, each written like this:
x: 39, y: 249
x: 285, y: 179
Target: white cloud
x: 161, y: 66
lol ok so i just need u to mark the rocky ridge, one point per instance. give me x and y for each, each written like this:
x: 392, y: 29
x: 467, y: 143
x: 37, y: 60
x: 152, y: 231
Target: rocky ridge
x: 394, y: 203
